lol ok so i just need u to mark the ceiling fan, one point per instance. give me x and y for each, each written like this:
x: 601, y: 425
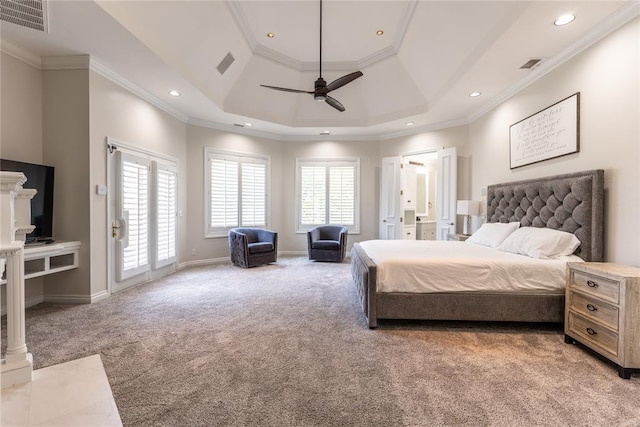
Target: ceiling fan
x: 321, y: 88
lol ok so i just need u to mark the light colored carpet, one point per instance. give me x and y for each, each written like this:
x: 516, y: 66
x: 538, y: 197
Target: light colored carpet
x: 287, y: 345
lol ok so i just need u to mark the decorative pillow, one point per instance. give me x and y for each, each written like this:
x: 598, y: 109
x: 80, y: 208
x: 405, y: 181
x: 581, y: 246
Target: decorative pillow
x: 541, y: 243
x: 493, y: 233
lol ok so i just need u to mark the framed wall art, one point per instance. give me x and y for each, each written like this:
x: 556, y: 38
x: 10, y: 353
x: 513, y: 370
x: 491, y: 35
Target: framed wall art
x: 547, y: 134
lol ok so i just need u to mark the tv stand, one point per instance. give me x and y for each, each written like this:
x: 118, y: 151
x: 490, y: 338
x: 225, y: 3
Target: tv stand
x: 47, y: 258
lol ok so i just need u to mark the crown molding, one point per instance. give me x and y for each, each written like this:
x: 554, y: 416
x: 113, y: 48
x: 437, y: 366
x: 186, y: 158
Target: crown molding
x: 21, y: 54
x: 233, y: 129
x: 424, y: 129
x: 378, y: 56
x: 404, y: 23
x: 243, y: 24
x: 606, y: 27
x: 72, y: 62
x: 135, y: 89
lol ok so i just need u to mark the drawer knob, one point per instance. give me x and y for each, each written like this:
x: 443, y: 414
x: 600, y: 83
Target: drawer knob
x: 591, y: 331
x: 592, y: 307
x: 592, y: 284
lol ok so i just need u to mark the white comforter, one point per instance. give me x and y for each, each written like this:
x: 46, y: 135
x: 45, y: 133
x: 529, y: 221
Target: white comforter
x: 423, y: 266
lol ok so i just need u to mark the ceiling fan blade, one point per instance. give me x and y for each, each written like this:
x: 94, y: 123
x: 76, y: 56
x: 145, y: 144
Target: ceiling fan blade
x: 334, y: 103
x: 284, y: 89
x: 343, y: 81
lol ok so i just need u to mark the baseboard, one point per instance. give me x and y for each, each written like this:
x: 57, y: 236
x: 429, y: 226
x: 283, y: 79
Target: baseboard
x: 30, y: 302
x: 200, y: 262
x: 292, y: 253
x: 76, y: 299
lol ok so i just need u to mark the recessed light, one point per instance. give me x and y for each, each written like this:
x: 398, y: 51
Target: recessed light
x: 409, y: 124
x: 325, y: 132
x: 271, y: 35
x: 174, y: 93
x: 379, y: 32
x: 564, y: 20
x: 474, y: 94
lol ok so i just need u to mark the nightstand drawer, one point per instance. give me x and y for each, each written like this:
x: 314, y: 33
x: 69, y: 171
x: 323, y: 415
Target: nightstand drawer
x: 593, y: 332
x: 594, y: 309
x: 599, y: 287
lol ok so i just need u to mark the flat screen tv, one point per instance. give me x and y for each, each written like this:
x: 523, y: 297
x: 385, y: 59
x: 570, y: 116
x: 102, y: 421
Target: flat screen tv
x: 39, y: 177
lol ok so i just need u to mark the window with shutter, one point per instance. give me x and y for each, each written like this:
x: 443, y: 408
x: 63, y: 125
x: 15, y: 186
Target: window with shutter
x: 236, y: 191
x: 327, y: 193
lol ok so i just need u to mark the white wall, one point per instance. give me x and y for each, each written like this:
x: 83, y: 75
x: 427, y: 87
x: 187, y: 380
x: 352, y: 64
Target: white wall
x: 606, y: 75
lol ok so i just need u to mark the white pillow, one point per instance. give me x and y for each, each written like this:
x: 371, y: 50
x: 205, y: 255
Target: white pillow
x: 541, y: 243
x: 493, y: 233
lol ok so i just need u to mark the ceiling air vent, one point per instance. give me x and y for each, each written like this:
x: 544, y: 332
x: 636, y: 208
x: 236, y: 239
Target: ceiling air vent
x: 27, y: 13
x: 226, y: 63
x: 530, y: 64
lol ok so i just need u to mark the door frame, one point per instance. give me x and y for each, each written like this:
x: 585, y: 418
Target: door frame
x: 440, y: 235
x: 112, y: 145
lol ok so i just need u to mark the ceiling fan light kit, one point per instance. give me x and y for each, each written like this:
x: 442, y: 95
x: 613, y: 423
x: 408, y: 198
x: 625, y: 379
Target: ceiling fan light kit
x: 321, y: 88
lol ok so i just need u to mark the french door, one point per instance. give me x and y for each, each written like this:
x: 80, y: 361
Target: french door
x: 143, y: 214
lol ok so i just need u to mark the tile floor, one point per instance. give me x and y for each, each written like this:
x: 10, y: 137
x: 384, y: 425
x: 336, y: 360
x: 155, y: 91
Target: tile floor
x: 75, y: 393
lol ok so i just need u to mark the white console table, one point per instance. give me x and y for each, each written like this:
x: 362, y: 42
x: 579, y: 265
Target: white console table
x: 49, y: 258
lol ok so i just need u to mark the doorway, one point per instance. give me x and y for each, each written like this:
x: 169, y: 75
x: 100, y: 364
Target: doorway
x: 142, y: 215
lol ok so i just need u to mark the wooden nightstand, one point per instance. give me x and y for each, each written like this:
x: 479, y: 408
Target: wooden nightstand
x: 602, y: 312
x: 458, y: 237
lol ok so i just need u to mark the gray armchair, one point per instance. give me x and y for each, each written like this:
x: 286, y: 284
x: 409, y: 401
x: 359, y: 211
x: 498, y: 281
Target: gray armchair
x: 250, y: 247
x: 327, y: 243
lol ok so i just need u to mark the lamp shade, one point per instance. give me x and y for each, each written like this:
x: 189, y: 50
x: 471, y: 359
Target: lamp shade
x: 468, y: 207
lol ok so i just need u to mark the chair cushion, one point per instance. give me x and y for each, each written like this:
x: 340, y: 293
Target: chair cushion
x: 259, y: 247
x: 326, y: 244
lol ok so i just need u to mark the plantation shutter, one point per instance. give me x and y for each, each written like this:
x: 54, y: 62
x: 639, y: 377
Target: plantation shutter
x: 342, y: 191
x: 313, y: 195
x: 166, y: 178
x: 133, y: 180
x: 236, y: 191
x: 327, y: 193
x: 224, y: 193
x: 254, y: 177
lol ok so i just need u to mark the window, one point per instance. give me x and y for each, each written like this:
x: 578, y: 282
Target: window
x: 236, y: 191
x: 327, y: 193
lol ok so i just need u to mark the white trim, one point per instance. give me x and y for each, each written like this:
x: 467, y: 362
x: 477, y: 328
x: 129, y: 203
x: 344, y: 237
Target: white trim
x: 77, y: 299
x: 201, y: 262
x: 21, y: 54
x: 29, y: 302
x: 72, y: 62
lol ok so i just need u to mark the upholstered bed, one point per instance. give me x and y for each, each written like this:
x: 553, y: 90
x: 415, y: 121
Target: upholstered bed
x: 572, y: 203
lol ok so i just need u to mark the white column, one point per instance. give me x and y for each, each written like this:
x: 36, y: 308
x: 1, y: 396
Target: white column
x: 17, y: 365
x: 16, y: 336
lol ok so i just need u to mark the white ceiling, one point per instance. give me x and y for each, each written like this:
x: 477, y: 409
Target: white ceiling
x: 431, y: 56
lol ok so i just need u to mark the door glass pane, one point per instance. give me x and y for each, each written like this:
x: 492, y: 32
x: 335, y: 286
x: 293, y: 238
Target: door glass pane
x: 135, y: 202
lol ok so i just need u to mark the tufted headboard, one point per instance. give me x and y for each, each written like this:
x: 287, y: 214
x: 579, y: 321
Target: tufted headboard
x: 571, y: 202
